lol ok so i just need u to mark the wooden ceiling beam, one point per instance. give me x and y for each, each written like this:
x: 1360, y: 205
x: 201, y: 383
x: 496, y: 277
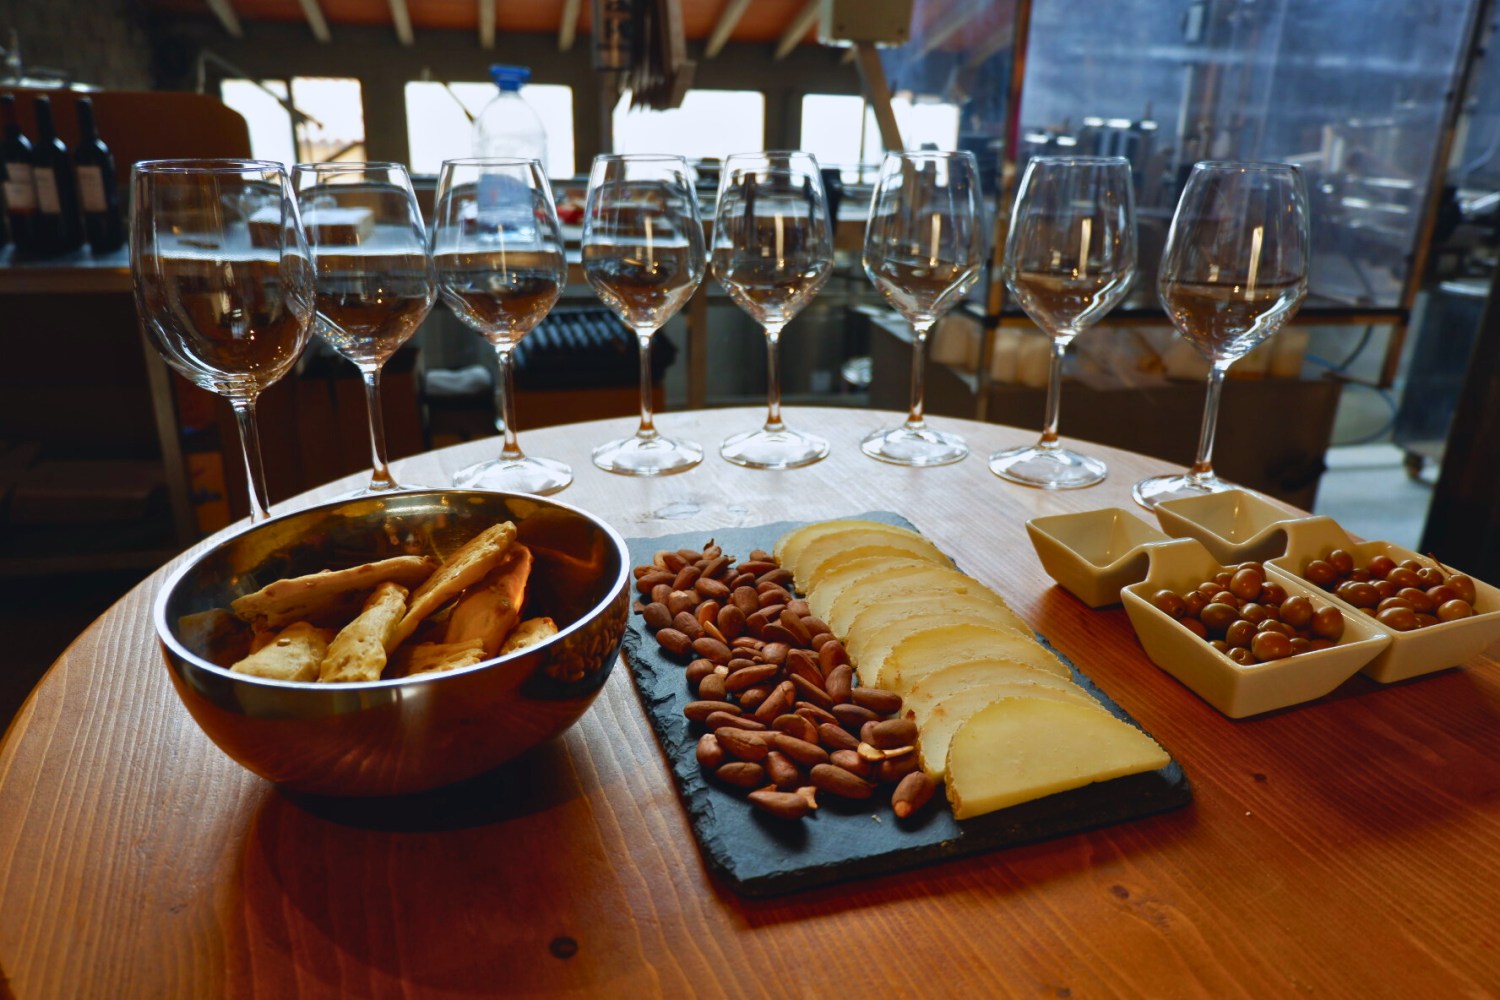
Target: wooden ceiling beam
x: 798, y: 28
x: 487, y: 24
x: 401, y: 20
x: 724, y: 27
x: 567, y: 28
x: 227, y: 17
x: 316, y: 21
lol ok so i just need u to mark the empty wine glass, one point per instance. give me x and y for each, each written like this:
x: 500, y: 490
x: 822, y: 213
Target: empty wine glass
x: 772, y: 251
x: 1069, y: 259
x: 498, y: 250
x: 924, y: 247
x: 643, y: 253
x: 375, y: 279
x: 1234, y: 270
x: 222, y: 281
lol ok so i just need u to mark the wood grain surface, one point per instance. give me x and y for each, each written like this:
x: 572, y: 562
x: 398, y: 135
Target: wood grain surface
x: 1341, y: 848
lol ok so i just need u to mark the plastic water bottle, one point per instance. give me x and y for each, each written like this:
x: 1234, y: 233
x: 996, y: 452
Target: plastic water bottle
x: 508, y: 126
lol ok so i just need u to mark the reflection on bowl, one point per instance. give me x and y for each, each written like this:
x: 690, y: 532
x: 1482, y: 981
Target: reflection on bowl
x: 1093, y: 554
x: 1235, y: 525
x: 1232, y: 688
x: 1410, y: 654
x: 414, y: 733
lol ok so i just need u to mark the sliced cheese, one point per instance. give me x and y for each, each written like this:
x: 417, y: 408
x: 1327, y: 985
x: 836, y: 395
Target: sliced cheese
x: 930, y: 650
x: 878, y: 628
x: 930, y: 581
x: 1019, y: 749
x: 918, y: 700
x: 859, y: 572
x: 828, y: 552
x: 935, y: 733
x: 788, y: 548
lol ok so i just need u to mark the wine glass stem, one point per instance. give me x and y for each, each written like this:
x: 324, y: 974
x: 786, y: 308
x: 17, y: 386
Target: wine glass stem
x: 647, y: 429
x: 1054, y: 391
x: 1203, y: 464
x: 773, y: 381
x: 916, y: 419
x: 380, y: 478
x: 505, y: 403
x: 255, y: 471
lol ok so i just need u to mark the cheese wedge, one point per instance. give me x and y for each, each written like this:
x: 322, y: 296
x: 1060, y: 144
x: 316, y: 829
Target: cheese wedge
x: 788, y: 548
x: 949, y: 715
x: 931, y: 581
x: 1019, y: 749
x: 930, y: 650
x: 859, y: 571
x: 828, y: 552
x: 876, y: 649
x: 935, y: 687
x: 879, y: 627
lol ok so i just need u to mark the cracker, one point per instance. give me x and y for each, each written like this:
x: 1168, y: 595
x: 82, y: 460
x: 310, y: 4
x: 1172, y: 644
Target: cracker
x: 490, y: 609
x: 359, y: 651
x: 467, y: 566
x: 529, y: 633
x: 317, y: 594
x: 293, y: 655
x: 435, y: 657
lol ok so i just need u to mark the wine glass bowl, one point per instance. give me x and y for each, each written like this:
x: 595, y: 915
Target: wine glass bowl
x: 1233, y: 271
x: 375, y: 281
x: 1070, y: 256
x: 644, y: 255
x: 772, y: 252
x: 223, y: 282
x: 498, y: 250
x: 924, y: 247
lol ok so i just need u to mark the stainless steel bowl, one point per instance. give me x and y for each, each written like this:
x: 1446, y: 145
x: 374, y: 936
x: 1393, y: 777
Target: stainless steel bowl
x: 407, y: 734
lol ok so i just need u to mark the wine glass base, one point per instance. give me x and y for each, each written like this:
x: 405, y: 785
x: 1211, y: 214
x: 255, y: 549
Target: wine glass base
x: 540, y: 476
x: 783, y: 449
x: 1150, y: 492
x: 1048, y: 468
x: 374, y: 489
x: 905, y: 446
x: 648, y: 456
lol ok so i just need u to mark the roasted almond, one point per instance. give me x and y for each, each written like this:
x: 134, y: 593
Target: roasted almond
x: 742, y: 774
x: 814, y: 713
x: 801, y: 663
x: 779, y: 768
x: 832, y: 654
x: 783, y: 805
x: 679, y: 601
x: 777, y: 702
x: 749, y: 677
x: 709, y: 753
x: 711, y: 589
x: 687, y: 623
x: 711, y: 649
x: 809, y: 691
x: 853, y: 716
x: 697, y: 670
x: 743, y: 744
x: 839, y: 682
x: 674, y: 641
x: 893, y: 733
x: 894, y: 769
x: 713, y: 687
x: 911, y: 794
x: 851, y: 762
x: 797, y: 726
x: 719, y: 720
x: 686, y: 577
x: 746, y: 600
x: 657, y: 616
x: 837, y: 781
x: 699, y: 711
x: 646, y: 582
x: 877, y: 700
x: 836, y: 737
x: 731, y: 621
x: 803, y: 752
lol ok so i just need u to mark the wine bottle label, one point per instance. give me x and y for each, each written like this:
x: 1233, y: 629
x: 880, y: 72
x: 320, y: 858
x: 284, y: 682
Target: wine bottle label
x: 20, y: 191
x: 91, y: 189
x: 47, y: 200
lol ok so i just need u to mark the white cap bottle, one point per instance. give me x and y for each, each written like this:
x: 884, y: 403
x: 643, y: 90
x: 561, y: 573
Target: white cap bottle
x: 508, y: 126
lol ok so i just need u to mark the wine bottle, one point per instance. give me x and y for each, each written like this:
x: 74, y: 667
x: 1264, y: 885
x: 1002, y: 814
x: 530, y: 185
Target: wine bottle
x: 98, y: 190
x: 20, y: 193
x: 59, y: 228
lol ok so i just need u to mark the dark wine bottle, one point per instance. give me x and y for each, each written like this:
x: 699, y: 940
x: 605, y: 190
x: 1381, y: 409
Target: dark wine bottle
x: 59, y: 227
x: 20, y: 193
x: 98, y: 190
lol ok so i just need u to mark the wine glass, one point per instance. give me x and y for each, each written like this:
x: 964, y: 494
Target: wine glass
x: 375, y: 279
x: 1069, y: 259
x: 643, y: 253
x: 1234, y: 270
x: 924, y: 247
x: 772, y: 251
x: 498, y: 250
x: 223, y: 282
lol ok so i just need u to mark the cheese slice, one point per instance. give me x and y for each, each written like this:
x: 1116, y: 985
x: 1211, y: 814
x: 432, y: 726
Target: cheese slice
x: 918, y: 700
x: 859, y: 572
x: 1019, y: 749
x: 877, y: 627
x: 930, y: 650
x: 943, y: 720
x: 828, y: 552
x: 788, y: 548
x: 931, y: 581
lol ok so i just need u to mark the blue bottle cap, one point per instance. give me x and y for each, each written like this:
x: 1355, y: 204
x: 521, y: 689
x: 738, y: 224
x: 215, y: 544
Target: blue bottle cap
x: 509, y: 77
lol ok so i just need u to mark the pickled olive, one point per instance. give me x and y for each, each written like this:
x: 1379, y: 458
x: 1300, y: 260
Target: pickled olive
x: 1453, y: 610
x: 1256, y: 613
x: 1425, y: 620
x: 1240, y: 633
x: 1169, y: 602
x: 1320, y: 572
x: 1328, y: 623
x: 1272, y: 593
x: 1219, y: 644
x: 1272, y: 625
x: 1271, y: 645
x: 1258, y: 567
x: 1225, y: 597
x: 1385, y: 588
x: 1196, y: 627
x: 1403, y: 578
x: 1341, y: 561
x: 1380, y: 565
x: 1441, y: 594
x: 1317, y: 644
x: 1430, y: 576
x: 1301, y: 645
x: 1362, y: 576
x: 1208, y: 589
x: 1394, y: 602
x: 1297, y: 611
x: 1417, y: 598
x: 1361, y: 595
x: 1222, y: 579
x: 1242, y: 656
x: 1463, y: 586
x: 1246, y: 584
x: 1218, y: 617
x: 1195, y: 603
x: 1400, y: 619
x: 1411, y: 564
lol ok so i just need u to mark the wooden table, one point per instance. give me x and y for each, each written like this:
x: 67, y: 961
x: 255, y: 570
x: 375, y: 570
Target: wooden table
x: 1344, y: 848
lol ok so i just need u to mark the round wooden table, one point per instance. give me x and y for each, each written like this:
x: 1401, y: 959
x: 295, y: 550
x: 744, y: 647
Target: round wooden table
x: 1342, y: 848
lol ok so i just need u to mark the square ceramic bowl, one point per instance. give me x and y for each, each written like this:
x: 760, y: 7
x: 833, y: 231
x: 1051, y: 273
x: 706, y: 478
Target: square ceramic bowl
x: 1093, y: 554
x: 1410, y: 654
x: 1239, y: 691
x: 1235, y: 526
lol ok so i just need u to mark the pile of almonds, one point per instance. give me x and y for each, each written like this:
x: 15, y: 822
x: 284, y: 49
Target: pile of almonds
x: 775, y: 694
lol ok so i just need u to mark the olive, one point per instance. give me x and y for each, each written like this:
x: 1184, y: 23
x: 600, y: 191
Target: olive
x: 1195, y: 602
x: 1225, y: 597
x: 1208, y: 589
x: 1167, y: 601
x: 1404, y: 578
x: 1441, y: 594
x: 1272, y: 625
x: 1400, y: 619
x: 1222, y: 578
x: 1380, y: 565
x: 1425, y: 620
x: 1217, y: 617
x: 1393, y: 602
x: 1361, y: 595
x: 1430, y: 576
x: 1341, y: 561
x: 1411, y: 564
x: 1242, y: 656
x: 1195, y: 626
x: 1320, y: 572
x: 1258, y: 567
x: 1256, y: 613
x: 1417, y: 598
x: 1328, y: 623
x: 1385, y: 588
x: 1240, y: 633
x: 1219, y: 644
x: 1301, y: 645
x: 1463, y: 586
x: 1318, y: 644
x: 1246, y: 584
x: 1271, y: 646
x: 1272, y: 593
x: 1453, y: 610
x: 1296, y: 611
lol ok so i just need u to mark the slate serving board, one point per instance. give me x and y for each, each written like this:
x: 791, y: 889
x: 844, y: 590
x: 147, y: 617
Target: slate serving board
x: 759, y: 855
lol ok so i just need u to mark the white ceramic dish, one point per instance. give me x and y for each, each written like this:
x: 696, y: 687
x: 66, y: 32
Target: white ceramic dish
x: 1093, y: 554
x: 1235, y: 526
x: 1410, y: 654
x: 1239, y: 691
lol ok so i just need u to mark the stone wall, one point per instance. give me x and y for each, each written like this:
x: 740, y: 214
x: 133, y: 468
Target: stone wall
x: 99, y: 42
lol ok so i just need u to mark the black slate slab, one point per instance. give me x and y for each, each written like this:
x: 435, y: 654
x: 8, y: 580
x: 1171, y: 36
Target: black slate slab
x: 759, y: 855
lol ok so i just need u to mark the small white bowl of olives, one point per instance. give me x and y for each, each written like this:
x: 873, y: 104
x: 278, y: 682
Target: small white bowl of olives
x: 1438, y: 616
x: 1246, y: 638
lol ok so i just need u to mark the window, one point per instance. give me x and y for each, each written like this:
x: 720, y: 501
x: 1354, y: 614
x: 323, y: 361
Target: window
x: 336, y: 125
x: 834, y: 131
x: 710, y: 123
x: 270, y: 122
x: 439, y: 122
